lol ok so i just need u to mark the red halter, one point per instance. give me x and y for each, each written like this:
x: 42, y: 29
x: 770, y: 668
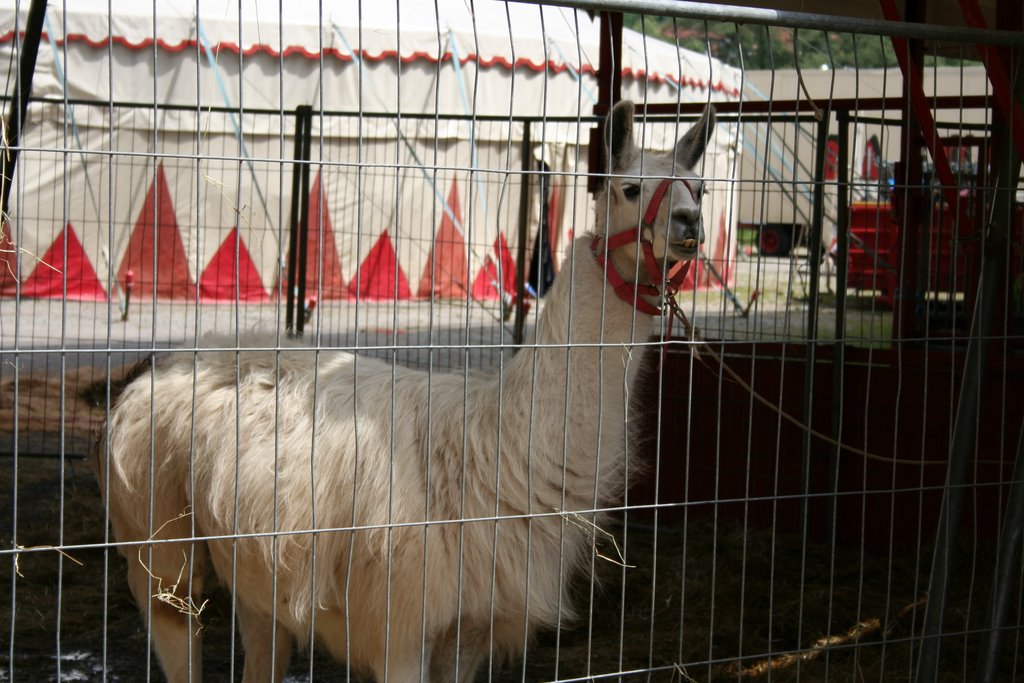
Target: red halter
x: 631, y: 292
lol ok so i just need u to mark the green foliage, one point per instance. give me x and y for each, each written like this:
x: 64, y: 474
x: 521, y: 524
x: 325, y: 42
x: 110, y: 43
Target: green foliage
x: 767, y: 47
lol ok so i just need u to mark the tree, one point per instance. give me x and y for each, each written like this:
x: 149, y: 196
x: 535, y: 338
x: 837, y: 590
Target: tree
x: 767, y: 47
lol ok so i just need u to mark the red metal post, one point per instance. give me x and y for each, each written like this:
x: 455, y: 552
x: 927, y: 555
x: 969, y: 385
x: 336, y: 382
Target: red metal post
x: 909, y: 199
x: 995, y: 64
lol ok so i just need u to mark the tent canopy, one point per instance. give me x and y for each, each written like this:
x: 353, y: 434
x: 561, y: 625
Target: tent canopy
x: 397, y: 190
x: 290, y: 54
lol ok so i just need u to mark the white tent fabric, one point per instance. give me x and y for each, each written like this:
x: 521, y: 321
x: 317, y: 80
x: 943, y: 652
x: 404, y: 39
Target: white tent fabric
x: 426, y: 77
x: 541, y: 47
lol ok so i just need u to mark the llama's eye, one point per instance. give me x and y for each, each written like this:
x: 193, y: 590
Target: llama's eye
x: 631, y: 191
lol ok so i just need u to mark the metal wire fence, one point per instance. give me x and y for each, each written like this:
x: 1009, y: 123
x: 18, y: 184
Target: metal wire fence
x: 311, y: 367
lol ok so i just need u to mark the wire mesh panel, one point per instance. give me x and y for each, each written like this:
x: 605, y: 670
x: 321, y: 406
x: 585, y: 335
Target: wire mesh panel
x: 378, y: 342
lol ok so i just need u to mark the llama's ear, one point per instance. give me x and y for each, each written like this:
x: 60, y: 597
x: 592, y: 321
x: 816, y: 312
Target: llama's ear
x: 618, y: 130
x: 691, y: 146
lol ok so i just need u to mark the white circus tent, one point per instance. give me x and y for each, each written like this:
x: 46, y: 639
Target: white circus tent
x: 162, y: 152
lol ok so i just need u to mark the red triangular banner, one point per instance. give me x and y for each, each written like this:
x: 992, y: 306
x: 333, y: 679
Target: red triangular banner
x: 221, y: 276
x: 330, y: 266
x: 170, y: 278
x: 380, y: 276
x: 8, y: 261
x: 485, y: 286
x: 56, y: 268
x: 446, y: 275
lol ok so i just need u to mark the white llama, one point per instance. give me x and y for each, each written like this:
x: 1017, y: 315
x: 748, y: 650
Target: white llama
x: 439, y: 501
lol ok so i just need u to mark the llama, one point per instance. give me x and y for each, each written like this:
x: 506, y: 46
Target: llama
x: 441, y: 503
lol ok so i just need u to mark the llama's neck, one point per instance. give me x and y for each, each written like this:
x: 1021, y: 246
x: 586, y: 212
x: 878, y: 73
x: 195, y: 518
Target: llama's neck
x: 572, y: 393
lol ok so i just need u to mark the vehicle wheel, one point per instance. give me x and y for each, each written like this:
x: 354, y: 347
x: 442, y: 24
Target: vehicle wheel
x: 775, y: 240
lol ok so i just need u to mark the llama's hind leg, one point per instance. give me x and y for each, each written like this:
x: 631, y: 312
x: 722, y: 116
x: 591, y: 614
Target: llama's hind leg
x: 170, y: 595
x: 264, y: 640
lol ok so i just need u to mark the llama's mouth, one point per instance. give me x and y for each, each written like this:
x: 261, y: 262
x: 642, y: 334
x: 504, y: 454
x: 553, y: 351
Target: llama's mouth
x: 684, y: 249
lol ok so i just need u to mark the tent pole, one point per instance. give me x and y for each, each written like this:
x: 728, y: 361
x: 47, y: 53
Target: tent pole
x: 300, y: 298
x: 15, y: 120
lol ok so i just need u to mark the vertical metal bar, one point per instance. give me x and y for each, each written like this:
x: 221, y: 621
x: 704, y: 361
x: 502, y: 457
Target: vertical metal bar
x: 609, y: 83
x: 1007, y: 572
x: 19, y: 107
x: 909, y: 187
x: 293, y: 224
x: 811, y: 333
x: 14, y: 124
x: 842, y: 229
x: 307, y: 143
x: 814, y: 250
x: 1010, y: 14
x: 965, y: 426
x: 842, y: 257
x: 609, y: 91
x: 518, y: 331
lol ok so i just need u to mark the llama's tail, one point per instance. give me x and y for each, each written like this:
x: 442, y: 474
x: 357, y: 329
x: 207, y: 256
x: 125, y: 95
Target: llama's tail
x: 136, y: 458
x: 101, y: 393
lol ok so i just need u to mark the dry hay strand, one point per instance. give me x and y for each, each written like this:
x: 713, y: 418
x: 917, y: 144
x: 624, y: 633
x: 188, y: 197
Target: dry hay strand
x: 33, y: 548
x: 169, y: 594
x: 596, y: 535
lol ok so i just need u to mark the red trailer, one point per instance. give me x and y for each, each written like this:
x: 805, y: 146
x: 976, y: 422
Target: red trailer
x: 871, y: 264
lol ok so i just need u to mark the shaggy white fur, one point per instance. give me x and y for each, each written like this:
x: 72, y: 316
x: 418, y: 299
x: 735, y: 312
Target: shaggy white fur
x: 435, y: 498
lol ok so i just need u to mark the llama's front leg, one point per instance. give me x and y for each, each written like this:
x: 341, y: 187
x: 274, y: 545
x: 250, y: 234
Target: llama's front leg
x: 406, y: 664
x: 264, y: 639
x: 457, y: 654
x: 174, y: 627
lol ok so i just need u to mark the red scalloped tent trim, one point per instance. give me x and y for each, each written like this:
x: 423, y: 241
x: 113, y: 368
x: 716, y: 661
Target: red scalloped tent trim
x: 297, y: 50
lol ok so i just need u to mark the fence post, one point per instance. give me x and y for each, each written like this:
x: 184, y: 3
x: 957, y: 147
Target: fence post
x: 1007, y: 573
x: 843, y: 192
x: 19, y: 107
x: 811, y: 332
x: 518, y: 331
x: 965, y: 425
x: 303, y: 119
x: 300, y: 298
